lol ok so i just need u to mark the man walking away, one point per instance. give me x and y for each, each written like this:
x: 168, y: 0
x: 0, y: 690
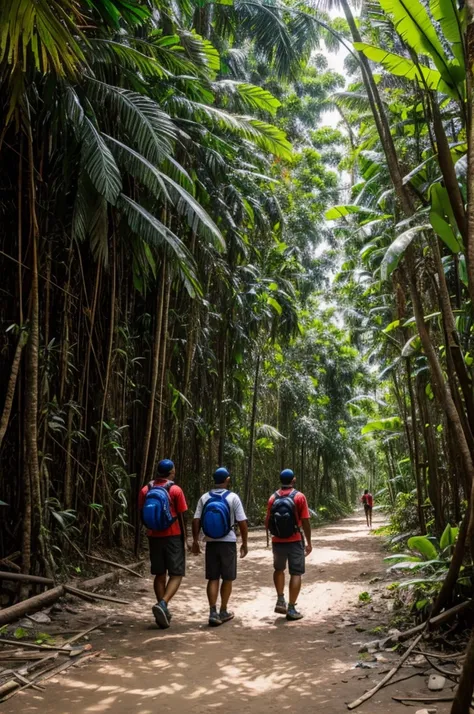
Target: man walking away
x: 368, y: 501
x: 287, y: 513
x: 217, y: 513
x: 162, y: 506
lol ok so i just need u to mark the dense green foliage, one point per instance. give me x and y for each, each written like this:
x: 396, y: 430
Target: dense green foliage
x: 163, y: 182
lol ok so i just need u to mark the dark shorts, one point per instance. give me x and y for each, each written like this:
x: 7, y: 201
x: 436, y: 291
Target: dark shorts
x: 221, y: 560
x: 167, y: 555
x: 293, y: 553
x: 367, y: 509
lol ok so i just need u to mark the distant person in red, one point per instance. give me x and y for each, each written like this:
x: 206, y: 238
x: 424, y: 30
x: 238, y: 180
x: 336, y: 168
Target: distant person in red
x: 368, y: 501
x: 287, y: 514
x: 162, y: 506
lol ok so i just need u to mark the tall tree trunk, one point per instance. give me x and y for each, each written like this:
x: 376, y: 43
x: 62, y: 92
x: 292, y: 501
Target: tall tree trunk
x: 161, y: 385
x: 160, y: 298
x: 253, y: 419
x: 106, y: 389
x: 7, y: 406
x: 416, y: 450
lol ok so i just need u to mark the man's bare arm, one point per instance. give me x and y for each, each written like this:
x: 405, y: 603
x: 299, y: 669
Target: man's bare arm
x: 244, y: 532
x: 196, y: 526
x: 306, y: 523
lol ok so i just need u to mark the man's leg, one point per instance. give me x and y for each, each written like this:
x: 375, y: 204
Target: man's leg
x: 295, y: 587
x: 279, y: 582
x: 370, y: 516
x: 159, y: 586
x: 212, y: 593
x: 226, y: 592
x: 296, y: 565
x: 172, y: 586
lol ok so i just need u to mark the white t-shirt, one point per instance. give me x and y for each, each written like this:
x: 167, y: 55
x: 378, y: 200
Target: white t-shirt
x: 237, y: 512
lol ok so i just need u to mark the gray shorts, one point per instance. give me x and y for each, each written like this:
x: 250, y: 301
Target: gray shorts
x: 221, y: 560
x: 293, y: 553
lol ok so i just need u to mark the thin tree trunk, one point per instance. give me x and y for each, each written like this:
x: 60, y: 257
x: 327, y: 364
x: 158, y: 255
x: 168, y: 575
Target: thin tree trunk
x: 416, y: 451
x: 7, y: 406
x: 106, y: 388
x: 160, y: 295
x: 164, y: 346
x: 248, y: 479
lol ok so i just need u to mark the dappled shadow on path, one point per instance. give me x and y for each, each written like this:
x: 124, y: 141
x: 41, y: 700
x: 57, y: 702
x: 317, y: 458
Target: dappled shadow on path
x: 254, y: 664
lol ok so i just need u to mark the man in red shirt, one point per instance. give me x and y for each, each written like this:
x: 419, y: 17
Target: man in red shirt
x: 368, y: 501
x: 287, y: 513
x: 167, y: 547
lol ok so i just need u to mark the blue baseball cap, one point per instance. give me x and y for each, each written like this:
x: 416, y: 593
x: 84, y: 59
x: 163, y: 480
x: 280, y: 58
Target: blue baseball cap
x: 287, y: 476
x: 220, y: 475
x: 165, y: 466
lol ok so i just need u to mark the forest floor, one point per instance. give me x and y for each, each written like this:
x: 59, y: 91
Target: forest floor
x: 256, y: 664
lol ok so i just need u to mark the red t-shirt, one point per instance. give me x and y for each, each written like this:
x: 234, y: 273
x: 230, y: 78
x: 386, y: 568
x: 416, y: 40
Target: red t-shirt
x: 178, y: 505
x: 302, y: 511
x: 368, y: 499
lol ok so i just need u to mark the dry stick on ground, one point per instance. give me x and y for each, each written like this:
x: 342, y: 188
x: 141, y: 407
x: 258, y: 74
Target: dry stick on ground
x: 430, y: 700
x: 387, y: 677
x: 21, y: 577
x: 51, y: 672
x: 33, y: 604
x: 116, y: 565
x: 94, y: 596
x: 85, y: 632
x: 453, y: 676
x: 30, y: 645
x: 433, y: 623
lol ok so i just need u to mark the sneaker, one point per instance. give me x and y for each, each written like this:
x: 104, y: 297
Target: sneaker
x: 162, y: 615
x: 292, y: 613
x: 280, y: 606
x: 214, y: 619
x: 225, y: 616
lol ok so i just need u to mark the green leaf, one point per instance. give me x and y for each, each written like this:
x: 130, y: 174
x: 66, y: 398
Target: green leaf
x: 388, y: 424
x: 99, y: 163
x: 401, y: 66
x: 449, y: 537
x: 258, y: 98
x: 392, y: 326
x: 452, y: 23
x: 445, y: 232
x: 20, y: 633
x: 275, y: 305
x: 414, y: 26
x: 395, y: 251
x: 341, y: 211
x: 422, y: 545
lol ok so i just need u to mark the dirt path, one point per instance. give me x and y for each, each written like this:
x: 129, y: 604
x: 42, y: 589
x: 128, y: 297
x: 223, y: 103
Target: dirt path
x: 256, y: 664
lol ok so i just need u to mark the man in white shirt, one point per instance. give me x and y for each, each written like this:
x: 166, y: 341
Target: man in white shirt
x: 218, y: 512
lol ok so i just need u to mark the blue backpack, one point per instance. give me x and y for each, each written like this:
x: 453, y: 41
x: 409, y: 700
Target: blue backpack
x: 156, y: 511
x: 215, y: 517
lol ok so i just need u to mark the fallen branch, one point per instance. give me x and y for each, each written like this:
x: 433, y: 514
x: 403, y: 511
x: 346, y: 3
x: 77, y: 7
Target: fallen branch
x: 94, y: 596
x: 432, y: 624
x: 30, y: 645
x: 116, y: 565
x: 453, y: 676
x: 38, y: 602
x: 107, y: 578
x: 21, y: 577
x: 387, y: 677
x: 85, y: 632
x: 430, y: 700
x: 33, y: 604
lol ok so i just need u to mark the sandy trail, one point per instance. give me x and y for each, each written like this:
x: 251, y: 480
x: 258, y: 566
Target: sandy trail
x: 257, y: 663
